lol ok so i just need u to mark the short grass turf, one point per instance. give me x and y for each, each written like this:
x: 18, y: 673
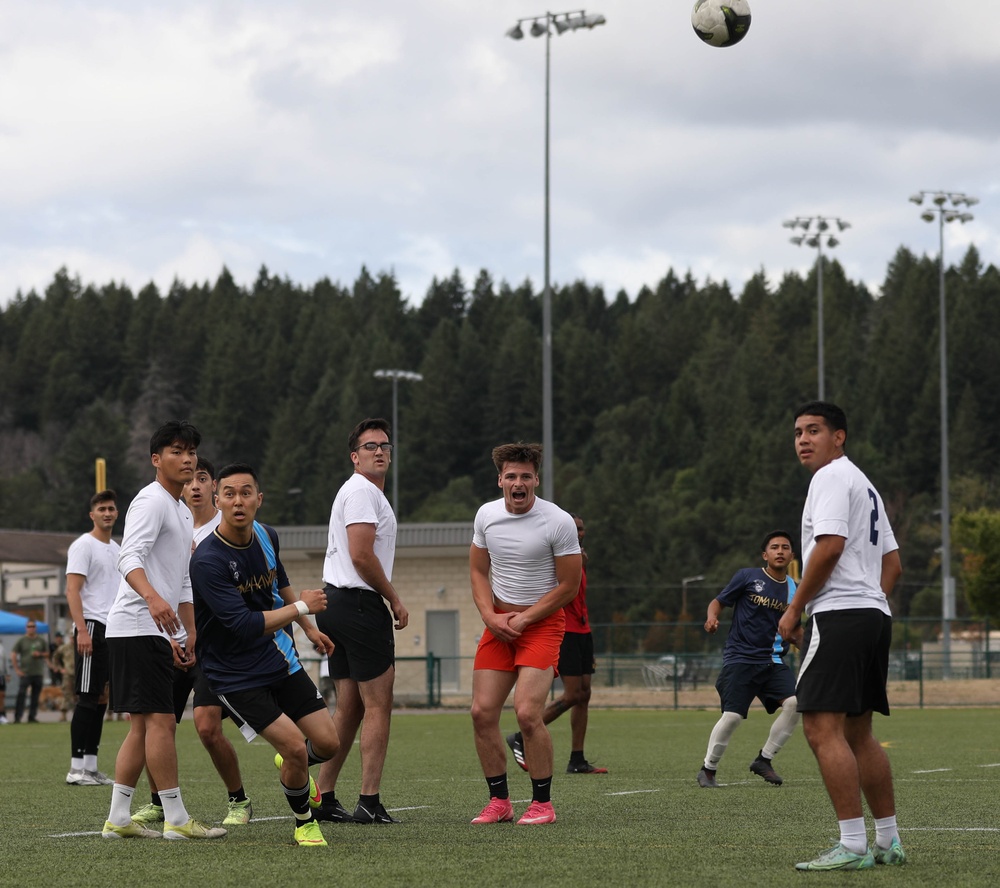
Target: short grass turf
x: 647, y: 822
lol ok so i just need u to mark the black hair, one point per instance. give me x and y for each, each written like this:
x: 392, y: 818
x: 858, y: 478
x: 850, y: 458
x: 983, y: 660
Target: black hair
x: 175, y: 430
x: 366, y: 425
x: 238, y: 469
x: 833, y: 415
x: 777, y: 533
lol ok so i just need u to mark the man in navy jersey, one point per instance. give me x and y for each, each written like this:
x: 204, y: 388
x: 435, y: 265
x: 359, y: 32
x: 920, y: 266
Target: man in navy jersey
x: 243, y: 604
x: 753, y: 659
x: 850, y: 565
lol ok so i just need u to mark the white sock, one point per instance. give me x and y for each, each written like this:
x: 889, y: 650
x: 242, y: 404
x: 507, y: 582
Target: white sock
x: 719, y: 739
x: 76, y: 764
x: 90, y: 763
x: 121, y: 804
x: 174, y: 811
x: 853, y: 836
x: 885, y: 831
x: 781, y: 728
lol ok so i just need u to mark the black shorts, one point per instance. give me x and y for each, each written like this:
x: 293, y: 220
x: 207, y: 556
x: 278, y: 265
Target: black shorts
x: 845, y: 662
x: 253, y: 709
x: 184, y: 681
x: 360, y: 625
x: 738, y: 683
x: 576, y: 654
x: 142, y: 674
x: 92, y: 670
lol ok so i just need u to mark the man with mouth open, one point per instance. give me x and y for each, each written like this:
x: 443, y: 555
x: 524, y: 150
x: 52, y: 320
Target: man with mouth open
x: 752, y: 660
x: 525, y: 565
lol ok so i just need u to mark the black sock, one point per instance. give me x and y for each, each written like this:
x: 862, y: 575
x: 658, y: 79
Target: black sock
x: 238, y: 795
x: 370, y: 802
x: 498, y: 786
x: 298, y: 801
x: 541, y: 790
x: 763, y: 757
x: 314, y: 759
x: 155, y: 796
x: 577, y: 756
x: 330, y: 799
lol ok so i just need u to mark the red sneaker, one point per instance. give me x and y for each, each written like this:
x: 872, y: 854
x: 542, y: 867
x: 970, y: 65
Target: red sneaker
x: 497, y: 811
x: 538, y: 812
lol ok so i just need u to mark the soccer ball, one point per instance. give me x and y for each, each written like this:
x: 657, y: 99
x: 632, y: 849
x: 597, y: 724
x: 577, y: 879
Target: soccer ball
x: 721, y: 23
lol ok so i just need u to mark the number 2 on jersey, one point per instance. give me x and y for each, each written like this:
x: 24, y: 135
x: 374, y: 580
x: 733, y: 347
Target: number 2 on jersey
x: 873, y: 519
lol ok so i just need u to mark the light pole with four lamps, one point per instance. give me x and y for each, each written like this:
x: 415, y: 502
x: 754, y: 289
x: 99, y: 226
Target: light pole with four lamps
x: 543, y: 24
x: 395, y: 376
x: 817, y: 237
x: 945, y: 206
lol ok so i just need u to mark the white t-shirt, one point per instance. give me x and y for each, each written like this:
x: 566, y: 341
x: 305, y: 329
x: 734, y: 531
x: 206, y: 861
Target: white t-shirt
x: 522, y: 548
x: 97, y: 562
x: 158, y: 534
x: 358, y: 501
x: 842, y: 501
x: 206, y: 529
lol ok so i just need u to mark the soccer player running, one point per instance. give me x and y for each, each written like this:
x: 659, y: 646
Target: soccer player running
x: 752, y: 659
x: 92, y: 581
x: 199, y: 494
x: 358, y: 577
x: 525, y: 566
x: 243, y: 604
x: 153, y: 602
x: 576, y: 666
x: 851, y: 564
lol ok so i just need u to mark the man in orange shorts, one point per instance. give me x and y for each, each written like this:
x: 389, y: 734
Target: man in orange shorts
x: 525, y: 564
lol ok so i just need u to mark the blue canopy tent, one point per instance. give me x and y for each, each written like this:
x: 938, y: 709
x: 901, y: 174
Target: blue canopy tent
x: 13, y: 624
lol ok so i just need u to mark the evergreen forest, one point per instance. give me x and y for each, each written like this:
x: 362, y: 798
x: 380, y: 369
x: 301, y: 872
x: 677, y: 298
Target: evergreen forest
x: 673, y: 410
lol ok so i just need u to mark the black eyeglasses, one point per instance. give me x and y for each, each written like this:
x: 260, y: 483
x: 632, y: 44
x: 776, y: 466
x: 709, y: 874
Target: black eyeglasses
x: 371, y: 447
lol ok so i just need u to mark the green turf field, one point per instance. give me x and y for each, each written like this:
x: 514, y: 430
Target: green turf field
x: 645, y: 823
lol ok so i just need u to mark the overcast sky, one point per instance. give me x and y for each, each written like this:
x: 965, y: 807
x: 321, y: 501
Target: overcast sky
x: 151, y: 140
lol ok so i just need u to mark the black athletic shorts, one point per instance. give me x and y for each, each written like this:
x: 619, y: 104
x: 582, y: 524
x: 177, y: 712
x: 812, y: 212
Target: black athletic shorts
x: 92, y: 670
x: 845, y: 662
x: 360, y: 625
x: 142, y: 674
x: 253, y: 709
x: 739, y: 683
x: 184, y: 682
x: 576, y: 655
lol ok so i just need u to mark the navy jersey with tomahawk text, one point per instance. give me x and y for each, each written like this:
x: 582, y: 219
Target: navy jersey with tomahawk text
x: 758, y: 603
x: 232, y: 586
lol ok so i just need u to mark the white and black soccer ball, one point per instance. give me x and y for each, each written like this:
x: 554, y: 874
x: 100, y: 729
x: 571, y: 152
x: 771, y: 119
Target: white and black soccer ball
x: 721, y: 23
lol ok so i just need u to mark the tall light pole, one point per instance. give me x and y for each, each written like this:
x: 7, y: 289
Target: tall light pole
x: 945, y: 206
x: 395, y: 376
x: 684, y: 591
x: 543, y: 24
x: 817, y: 237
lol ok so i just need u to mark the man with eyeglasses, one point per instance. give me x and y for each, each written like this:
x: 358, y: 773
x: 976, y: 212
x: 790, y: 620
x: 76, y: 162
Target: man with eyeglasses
x: 357, y: 572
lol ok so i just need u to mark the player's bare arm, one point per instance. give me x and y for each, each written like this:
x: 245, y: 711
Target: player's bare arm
x: 74, y: 600
x: 568, y: 570
x: 161, y: 612
x: 319, y: 640
x: 313, y: 599
x: 892, y: 570
x: 822, y: 560
x: 712, y: 617
x: 482, y: 596
x: 361, y: 545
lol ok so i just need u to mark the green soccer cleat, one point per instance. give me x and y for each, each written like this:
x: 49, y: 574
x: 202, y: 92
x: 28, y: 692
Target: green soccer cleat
x: 148, y: 814
x: 894, y: 855
x: 839, y: 858
x: 132, y: 830
x: 309, y: 836
x: 239, y: 813
x: 193, y: 829
x: 315, y: 796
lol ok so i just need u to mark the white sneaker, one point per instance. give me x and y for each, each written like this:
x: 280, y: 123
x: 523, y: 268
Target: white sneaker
x: 3, y: 720
x: 81, y: 778
x: 101, y: 778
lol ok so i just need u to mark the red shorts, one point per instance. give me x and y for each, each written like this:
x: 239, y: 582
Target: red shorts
x: 538, y: 647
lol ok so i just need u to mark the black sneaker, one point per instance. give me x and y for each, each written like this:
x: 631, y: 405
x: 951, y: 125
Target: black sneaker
x: 516, y: 744
x: 335, y: 813
x: 584, y: 767
x: 379, y: 815
x: 706, y: 779
x: 762, y: 768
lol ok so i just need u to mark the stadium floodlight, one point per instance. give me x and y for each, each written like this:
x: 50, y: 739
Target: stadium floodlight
x: 943, y: 213
x: 395, y: 376
x: 818, y: 235
x: 563, y: 21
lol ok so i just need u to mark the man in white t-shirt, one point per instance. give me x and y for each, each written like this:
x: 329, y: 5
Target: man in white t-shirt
x: 525, y: 565
x: 851, y: 563
x: 154, y: 600
x: 92, y: 580
x: 357, y: 572
x: 199, y: 494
